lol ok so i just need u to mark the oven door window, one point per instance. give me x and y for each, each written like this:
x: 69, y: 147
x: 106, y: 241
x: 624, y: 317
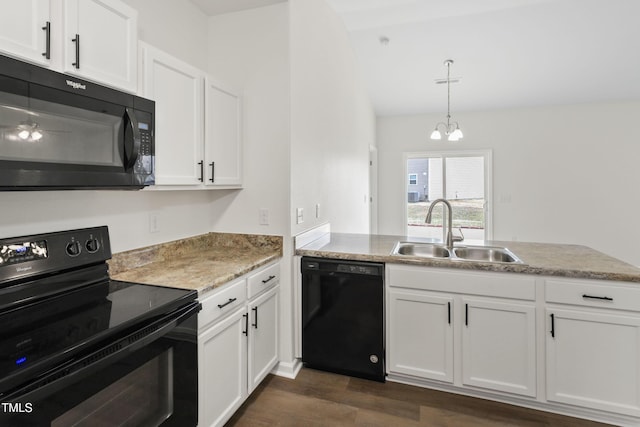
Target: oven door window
x: 49, y: 127
x: 141, y: 398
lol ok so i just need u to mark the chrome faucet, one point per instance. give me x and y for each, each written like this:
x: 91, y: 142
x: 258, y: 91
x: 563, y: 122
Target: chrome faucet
x: 448, y: 240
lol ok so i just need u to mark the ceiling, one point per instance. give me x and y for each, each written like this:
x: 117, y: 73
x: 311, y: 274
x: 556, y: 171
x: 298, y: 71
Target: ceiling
x: 508, y: 53
x: 218, y: 7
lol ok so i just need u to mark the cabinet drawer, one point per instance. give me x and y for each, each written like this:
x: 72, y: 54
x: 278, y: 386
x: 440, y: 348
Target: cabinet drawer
x: 502, y: 285
x: 264, y: 279
x: 601, y: 294
x: 222, y: 302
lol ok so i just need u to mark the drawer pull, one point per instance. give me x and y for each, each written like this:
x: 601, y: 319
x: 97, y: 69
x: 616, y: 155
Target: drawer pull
x: 595, y: 297
x: 269, y: 279
x: 227, y: 303
x: 553, y: 326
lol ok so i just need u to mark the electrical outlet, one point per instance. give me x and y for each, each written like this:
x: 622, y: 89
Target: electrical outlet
x: 299, y: 215
x: 154, y: 223
x: 263, y: 213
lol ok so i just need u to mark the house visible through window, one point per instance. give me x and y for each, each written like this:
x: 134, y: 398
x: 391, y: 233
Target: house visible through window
x: 461, y: 178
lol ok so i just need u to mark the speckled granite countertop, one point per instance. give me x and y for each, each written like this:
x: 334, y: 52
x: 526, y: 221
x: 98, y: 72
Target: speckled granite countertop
x: 539, y: 258
x: 202, y: 263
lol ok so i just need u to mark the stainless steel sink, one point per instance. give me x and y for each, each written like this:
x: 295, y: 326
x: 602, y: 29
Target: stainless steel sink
x: 486, y: 254
x: 491, y: 254
x: 426, y: 250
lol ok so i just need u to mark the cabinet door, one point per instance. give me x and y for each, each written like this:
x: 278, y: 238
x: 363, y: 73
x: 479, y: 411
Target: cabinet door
x: 263, y: 336
x: 593, y: 360
x: 222, y: 365
x: 23, y: 29
x: 177, y: 89
x: 106, y: 50
x: 420, y: 335
x: 499, y: 346
x: 223, y: 136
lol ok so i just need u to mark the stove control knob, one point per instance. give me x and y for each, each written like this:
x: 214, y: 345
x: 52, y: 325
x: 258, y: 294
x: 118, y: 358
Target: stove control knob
x: 92, y: 245
x: 73, y: 249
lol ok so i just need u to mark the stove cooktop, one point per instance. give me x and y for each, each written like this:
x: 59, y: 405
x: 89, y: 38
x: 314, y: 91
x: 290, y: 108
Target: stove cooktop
x: 56, y: 303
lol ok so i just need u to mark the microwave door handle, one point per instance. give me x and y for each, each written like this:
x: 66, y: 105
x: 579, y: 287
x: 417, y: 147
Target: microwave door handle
x: 131, y: 139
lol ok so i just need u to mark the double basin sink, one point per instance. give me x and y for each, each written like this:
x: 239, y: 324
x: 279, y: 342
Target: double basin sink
x: 457, y: 253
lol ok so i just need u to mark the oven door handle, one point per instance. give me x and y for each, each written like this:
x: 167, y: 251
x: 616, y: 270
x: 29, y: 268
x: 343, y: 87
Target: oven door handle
x: 83, y: 365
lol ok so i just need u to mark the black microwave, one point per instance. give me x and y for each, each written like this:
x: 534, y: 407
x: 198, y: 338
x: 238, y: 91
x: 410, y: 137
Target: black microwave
x: 59, y: 132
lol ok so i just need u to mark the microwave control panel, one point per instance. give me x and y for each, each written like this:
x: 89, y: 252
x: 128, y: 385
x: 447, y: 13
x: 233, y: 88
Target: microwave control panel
x: 144, y: 164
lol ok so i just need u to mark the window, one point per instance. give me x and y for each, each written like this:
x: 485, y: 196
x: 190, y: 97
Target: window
x: 463, y: 178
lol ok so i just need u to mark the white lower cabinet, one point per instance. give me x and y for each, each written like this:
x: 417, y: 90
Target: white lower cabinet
x: 564, y: 345
x: 499, y: 345
x: 497, y: 348
x: 593, y: 346
x: 237, y: 343
x: 222, y: 374
x: 263, y: 337
x: 420, y: 334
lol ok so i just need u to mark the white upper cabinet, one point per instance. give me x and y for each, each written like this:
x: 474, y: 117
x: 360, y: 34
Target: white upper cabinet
x: 223, y: 146
x: 198, y: 124
x: 100, y: 42
x: 93, y: 39
x: 25, y: 30
x: 178, y: 90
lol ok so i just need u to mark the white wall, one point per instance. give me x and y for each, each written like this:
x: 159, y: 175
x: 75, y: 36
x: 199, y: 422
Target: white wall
x: 178, y: 27
x: 249, y: 50
x: 561, y: 174
x: 332, y: 122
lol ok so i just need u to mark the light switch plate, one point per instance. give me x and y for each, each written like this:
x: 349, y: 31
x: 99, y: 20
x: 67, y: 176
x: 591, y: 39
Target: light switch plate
x: 263, y: 213
x: 299, y: 215
x: 154, y: 223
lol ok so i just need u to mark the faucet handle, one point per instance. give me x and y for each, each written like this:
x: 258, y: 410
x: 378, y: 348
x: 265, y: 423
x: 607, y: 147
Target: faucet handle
x: 459, y: 238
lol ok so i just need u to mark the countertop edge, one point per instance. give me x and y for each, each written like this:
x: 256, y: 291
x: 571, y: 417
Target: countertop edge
x: 568, y: 272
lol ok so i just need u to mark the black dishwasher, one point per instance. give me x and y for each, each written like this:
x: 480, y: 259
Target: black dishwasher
x: 343, y: 317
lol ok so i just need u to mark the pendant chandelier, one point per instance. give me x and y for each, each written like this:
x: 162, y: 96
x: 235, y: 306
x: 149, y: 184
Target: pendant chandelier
x: 451, y: 129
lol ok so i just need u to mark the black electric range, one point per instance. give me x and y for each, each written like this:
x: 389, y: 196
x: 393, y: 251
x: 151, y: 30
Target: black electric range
x: 71, y: 335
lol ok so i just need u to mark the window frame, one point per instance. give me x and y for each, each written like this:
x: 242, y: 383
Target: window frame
x: 487, y: 154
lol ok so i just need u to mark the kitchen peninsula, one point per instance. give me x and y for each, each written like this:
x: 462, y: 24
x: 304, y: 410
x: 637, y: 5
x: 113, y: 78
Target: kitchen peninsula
x: 558, y: 332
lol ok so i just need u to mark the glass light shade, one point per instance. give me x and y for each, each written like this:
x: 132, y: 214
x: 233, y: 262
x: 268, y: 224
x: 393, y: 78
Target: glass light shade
x: 456, y: 135
x: 36, y: 135
x: 436, y: 134
x: 23, y: 134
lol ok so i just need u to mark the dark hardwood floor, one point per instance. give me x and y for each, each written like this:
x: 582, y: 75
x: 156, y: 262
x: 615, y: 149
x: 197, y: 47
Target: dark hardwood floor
x: 317, y: 398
